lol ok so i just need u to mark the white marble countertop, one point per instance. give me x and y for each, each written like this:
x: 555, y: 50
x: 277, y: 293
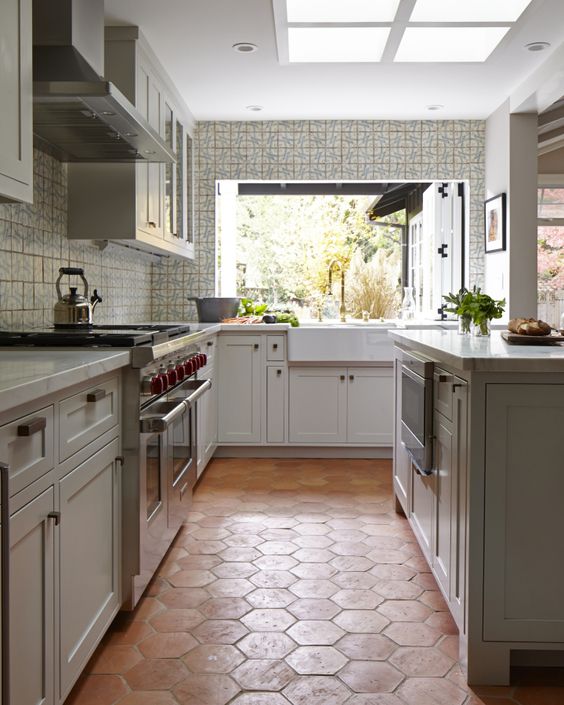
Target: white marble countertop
x: 28, y: 374
x: 488, y: 354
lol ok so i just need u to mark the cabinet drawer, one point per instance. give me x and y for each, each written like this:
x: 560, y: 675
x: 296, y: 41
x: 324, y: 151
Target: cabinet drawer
x: 443, y: 392
x: 86, y: 415
x: 275, y: 350
x: 26, y: 445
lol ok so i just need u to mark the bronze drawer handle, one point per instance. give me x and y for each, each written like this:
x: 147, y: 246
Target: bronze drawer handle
x: 96, y: 395
x: 275, y: 346
x: 278, y: 373
x: 31, y: 427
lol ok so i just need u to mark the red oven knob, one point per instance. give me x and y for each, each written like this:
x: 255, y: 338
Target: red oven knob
x: 204, y: 359
x: 164, y: 379
x: 200, y: 360
x: 180, y: 373
x: 171, y: 375
x: 188, y: 367
x: 156, y: 385
x: 195, y: 362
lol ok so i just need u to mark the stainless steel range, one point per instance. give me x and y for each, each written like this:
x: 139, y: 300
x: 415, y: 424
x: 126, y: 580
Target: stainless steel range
x: 159, y: 410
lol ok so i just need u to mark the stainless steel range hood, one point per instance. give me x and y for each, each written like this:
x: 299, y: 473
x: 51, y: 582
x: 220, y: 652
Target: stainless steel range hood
x: 77, y: 115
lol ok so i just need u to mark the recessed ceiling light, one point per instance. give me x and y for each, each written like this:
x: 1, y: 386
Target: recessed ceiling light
x: 475, y: 11
x: 449, y: 44
x: 254, y: 108
x: 336, y: 44
x: 435, y: 106
x: 339, y: 11
x: 245, y: 48
x: 537, y: 46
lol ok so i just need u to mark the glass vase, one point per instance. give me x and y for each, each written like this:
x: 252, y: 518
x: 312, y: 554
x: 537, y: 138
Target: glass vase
x: 481, y: 329
x: 408, y: 304
x: 464, y: 325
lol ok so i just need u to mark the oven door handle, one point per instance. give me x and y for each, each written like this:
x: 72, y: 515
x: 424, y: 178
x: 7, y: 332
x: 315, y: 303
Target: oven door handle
x: 412, y: 375
x: 201, y: 386
x: 159, y: 423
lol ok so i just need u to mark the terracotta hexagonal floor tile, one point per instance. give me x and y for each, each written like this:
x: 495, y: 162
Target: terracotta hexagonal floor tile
x: 272, y: 534
x: 357, y: 599
x: 404, y: 611
x: 273, y: 579
x: 274, y: 644
x: 195, y: 547
x: 315, y: 633
x: 146, y: 608
x: 234, y: 570
x: 361, y: 621
x: 191, y: 578
x: 450, y: 645
x: 421, y: 661
x: 235, y: 553
x: 167, y: 645
x: 425, y: 579
x: 263, y: 598
x: 434, y: 600
x: 313, y: 518
x: 390, y: 571
x: 225, y: 608
x: 263, y: 674
x: 366, y: 647
x: 184, y: 598
x: 412, y: 634
x: 313, y: 588
x: 316, y: 690
x: 314, y: 608
x: 312, y: 542
x: 313, y: 529
x: 210, y: 533
x: 97, y: 690
x: 230, y: 587
x: 370, y: 676
x: 352, y: 563
x: 316, y: 660
x: 243, y: 540
x: 277, y: 548
x: 442, y: 621
x: 398, y: 589
x: 198, y: 689
x: 388, y: 555
x: 114, y: 659
x: 198, y: 562
x: 219, y: 631
x: 155, y: 674
x: 314, y: 571
x: 351, y: 548
x: 345, y: 524
x: 375, y: 699
x: 260, y: 699
x: 430, y: 691
x: 128, y: 633
x: 153, y: 697
x: 354, y: 580
x: 213, y: 658
x: 268, y: 620
x: 275, y: 562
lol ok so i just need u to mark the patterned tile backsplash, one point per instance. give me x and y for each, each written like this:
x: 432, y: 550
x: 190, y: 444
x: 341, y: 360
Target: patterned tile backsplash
x: 33, y: 242
x: 33, y: 245
x: 328, y: 150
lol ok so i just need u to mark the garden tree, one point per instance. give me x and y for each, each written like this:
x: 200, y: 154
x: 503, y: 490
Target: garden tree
x: 286, y: 243
x: 550, y: 259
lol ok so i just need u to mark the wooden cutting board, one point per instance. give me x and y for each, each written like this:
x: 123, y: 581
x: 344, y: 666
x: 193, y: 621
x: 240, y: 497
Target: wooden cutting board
x: 516, y: 339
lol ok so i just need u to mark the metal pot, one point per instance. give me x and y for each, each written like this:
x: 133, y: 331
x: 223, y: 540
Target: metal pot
x: 74, y: 310
x: 213, y: 309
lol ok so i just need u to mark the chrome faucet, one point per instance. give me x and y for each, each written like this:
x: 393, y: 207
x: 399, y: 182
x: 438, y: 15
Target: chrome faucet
x: 342, y: 308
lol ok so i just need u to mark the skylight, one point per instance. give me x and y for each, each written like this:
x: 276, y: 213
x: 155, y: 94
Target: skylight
x: 338, y: 11
x: 336, y: 44
x: 449, y: 44
x: 473, y: 11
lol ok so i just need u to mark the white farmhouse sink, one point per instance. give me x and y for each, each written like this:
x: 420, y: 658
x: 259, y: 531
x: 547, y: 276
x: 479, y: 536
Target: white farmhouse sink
x: 340, y: 343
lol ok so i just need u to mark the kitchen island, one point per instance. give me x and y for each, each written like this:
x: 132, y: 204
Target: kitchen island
x: 489, y: 515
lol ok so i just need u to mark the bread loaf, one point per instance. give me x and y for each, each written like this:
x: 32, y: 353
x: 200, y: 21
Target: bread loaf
x: 528, y: 326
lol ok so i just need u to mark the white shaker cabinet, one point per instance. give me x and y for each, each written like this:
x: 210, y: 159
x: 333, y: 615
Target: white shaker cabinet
x: 276, y: 407
x: 207, y: 410
x: 240, y: 388
x: 16, y: 140
x: 32, y: 602
x: 318, y: 405
x: 370, y: 405
x: 89, y: 548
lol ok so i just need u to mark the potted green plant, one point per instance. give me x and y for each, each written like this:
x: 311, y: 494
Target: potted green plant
x: 484, y: 309
x: 460, y: 305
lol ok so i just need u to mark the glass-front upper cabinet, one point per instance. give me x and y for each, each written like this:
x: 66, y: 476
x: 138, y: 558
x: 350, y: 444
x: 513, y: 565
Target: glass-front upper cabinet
x: 169, y: 176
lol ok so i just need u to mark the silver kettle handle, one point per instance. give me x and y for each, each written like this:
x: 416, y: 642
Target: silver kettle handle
x: 77, y: 271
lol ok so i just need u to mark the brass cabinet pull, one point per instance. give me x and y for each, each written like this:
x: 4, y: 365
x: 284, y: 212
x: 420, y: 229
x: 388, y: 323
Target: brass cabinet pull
x: 209, y: 343
x: 256, y: 346
x: 96, y: 395
x: 278, y: 373
x: 120, y: 459
x: 351, y: 378
x: 33, y: 426
x: 342, y: 378
x: 275, y: 346
x: 152, y: 224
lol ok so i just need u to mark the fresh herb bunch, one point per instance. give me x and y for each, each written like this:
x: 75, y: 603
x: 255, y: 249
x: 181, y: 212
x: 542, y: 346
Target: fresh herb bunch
x: 459, y: 302
x: 484, y: 308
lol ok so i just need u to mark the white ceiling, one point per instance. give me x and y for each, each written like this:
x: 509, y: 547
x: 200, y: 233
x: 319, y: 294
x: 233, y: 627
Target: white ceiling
x: 193, y: 40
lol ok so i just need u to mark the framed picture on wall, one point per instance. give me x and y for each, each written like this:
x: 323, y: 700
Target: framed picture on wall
x: 494, y: 223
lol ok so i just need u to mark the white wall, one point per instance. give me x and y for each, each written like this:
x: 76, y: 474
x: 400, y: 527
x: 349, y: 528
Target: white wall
x: 511, y: 167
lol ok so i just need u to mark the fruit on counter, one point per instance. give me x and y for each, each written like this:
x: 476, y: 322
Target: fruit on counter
x: 285, y: 317
x: 528, y: 326
x: 248, y: 307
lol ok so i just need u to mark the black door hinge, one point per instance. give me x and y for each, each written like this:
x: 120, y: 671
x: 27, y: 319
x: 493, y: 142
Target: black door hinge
x: 441, y: 312
x: 442, y: 250
x: 443, y: 190
x: 460, y: 189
